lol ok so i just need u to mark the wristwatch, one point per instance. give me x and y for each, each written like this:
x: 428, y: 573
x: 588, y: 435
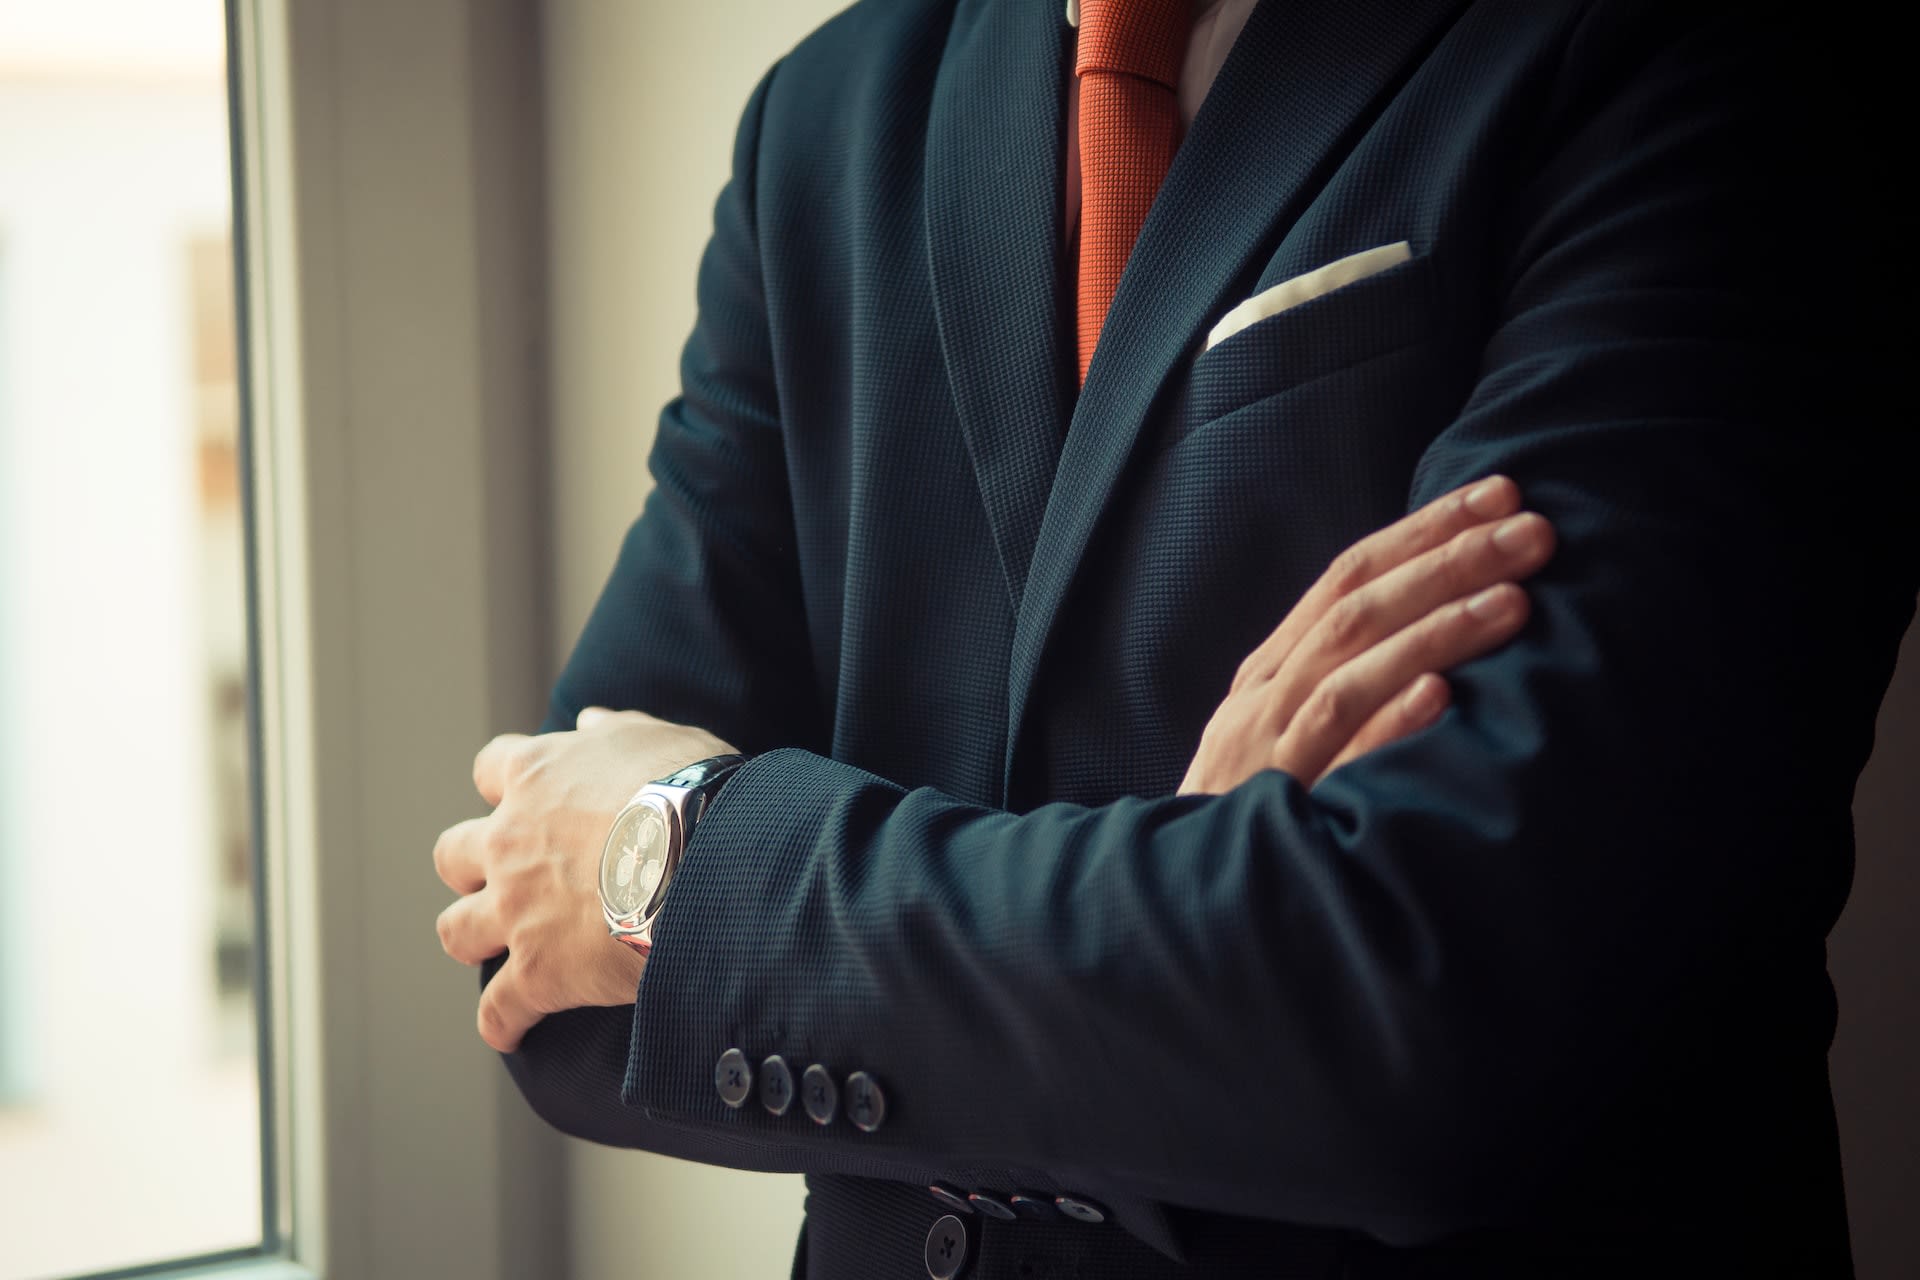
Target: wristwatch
x: 647, y: 841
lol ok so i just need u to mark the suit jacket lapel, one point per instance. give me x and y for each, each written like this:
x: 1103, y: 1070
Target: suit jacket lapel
x: 1299, y: 81
x: 995, y: 151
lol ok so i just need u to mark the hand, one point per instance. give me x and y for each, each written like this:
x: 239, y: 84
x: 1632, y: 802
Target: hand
x: 1355, y: 665
x: 528, y: 873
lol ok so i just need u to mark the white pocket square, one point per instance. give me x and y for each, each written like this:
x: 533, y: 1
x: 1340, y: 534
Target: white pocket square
x: 1305, y: 288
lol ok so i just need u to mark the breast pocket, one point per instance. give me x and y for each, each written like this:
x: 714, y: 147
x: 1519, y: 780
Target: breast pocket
x: 1357, y: 322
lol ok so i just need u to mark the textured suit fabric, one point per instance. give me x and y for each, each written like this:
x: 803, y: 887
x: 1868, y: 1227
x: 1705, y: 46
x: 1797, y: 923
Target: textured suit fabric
x: 1539, y: 990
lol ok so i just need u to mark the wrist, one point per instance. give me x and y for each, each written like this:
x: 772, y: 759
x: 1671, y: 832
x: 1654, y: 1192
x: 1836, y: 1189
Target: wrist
x: 648, y: 839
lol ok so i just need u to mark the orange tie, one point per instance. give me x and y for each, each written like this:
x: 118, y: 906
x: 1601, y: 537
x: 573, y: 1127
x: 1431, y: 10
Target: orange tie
x: 1128, y: 61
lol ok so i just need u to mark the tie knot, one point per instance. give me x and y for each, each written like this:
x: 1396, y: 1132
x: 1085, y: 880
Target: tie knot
x: 1145, y: 38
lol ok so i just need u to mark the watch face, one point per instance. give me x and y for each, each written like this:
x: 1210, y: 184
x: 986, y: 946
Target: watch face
x: 635, y: 860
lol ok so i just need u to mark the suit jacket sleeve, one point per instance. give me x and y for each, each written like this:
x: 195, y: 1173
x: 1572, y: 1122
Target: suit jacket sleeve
x: 1403, y: 999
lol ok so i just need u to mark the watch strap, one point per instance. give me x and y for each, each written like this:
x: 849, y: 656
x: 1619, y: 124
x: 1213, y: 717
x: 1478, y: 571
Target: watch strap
x: 703, y: 775
x: 701, y: 781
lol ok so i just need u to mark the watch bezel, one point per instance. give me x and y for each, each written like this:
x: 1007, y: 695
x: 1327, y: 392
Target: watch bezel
x: 634, y: 924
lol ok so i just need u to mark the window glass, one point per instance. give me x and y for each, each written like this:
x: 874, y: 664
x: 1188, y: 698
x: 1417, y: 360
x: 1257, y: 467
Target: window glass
x: 129, y: 1098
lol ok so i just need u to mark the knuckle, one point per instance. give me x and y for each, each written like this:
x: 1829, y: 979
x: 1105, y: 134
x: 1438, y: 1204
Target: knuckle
x: 1427, y: 642
x: 1272, y: 712
x: 1459, y: 558
x: 1328, y: 708
x: 510, y: 755
x: 532, y: 963
x: 1427, y: 648
x: 1350, y: 569
x: 1430, y: 524
x: 1348, y: 622
x: 497, y: 840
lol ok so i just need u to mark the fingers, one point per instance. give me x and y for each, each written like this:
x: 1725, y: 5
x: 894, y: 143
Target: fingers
x: 506, y: 1008
x: 1412, y: 709
x: 471, y: 930
x: 459, y: 856
x: 496, y: 763
x: 1470, y: 561
x: 1431, y: 526
x: 1348, y: 698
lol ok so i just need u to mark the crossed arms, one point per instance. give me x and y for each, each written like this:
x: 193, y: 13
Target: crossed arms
x: 1450, y: 939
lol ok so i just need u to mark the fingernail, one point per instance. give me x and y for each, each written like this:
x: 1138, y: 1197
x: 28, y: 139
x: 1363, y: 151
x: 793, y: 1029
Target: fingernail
x: 1482, y: 499
x: 1495, y: 604
x: 1423, y: 700
x: 1519, y: 535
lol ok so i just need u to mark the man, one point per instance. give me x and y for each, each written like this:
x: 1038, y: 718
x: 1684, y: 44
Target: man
x: 1067, y: 916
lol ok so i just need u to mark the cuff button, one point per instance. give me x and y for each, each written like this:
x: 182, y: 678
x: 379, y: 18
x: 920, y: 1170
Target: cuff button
x: 992, y: 1206
x: 733, y: 1077
x: 776, y: 1085
x: 952, y: 1197
x: 866, y: 1103
x: 819, y: 1094
x: 1030, y: 1204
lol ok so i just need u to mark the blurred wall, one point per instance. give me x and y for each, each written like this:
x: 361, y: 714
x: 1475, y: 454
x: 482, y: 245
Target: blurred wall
x: 642, y: 100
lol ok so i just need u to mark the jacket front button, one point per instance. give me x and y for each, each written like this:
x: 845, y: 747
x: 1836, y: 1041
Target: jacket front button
x: 733, y: 1077
x: 776, y: 1085
x: 819, y: 1094
x: 947, y: 1248
x: 866, y: 1104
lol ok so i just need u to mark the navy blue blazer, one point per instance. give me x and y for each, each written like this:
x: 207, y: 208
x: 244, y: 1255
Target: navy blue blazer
x: 1539, y: 990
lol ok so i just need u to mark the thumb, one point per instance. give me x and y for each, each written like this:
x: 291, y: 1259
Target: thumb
x: 591, y: 716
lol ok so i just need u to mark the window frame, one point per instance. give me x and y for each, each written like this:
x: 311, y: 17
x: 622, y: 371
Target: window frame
x: 388, y: 223
x: 393, y: 206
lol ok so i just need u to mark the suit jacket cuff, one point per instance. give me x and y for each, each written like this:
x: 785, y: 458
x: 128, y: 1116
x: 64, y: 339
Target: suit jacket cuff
x: 730, y: 967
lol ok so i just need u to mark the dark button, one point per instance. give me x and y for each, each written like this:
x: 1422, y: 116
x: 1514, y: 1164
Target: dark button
x: 947, y: 1248
x: 1031, y: 1204
x: 819, y: 1094
x: 866, y: 1104
x: 776, y: 1085
x: 951, y: 1197
x: 991, y: 1205
x: 733, y: 1077
x: 1080, y: 1209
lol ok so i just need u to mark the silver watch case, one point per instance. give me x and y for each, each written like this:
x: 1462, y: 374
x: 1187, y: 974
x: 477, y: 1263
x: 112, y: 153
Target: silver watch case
x: 643, y: 850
